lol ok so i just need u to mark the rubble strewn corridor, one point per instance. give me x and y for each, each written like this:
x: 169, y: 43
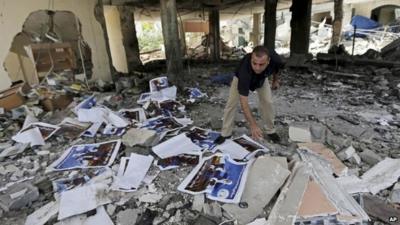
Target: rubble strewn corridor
x: 90, y: 134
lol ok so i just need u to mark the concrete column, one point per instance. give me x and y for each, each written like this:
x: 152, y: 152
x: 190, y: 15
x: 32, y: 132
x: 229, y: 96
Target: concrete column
x: 170, y: 31
x: 300, y: 25
x: 255, y: 34
x: 129, y: 38
x: 270, y: 23
x: 337, y: 23
x: 214, y: 34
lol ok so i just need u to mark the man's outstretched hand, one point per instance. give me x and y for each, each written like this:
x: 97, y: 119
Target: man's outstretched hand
x: 256, y: 132
x: 276, y: 83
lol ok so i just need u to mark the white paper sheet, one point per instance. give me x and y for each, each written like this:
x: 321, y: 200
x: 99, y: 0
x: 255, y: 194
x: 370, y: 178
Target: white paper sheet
x: 94, y: 115
x: 28, y: 120
x: 159, y: 96
x: 31, y: 136
x: 42, y: 215
x: 117, y: 120
x: 92, y: 131
x: 82, y: 199
x: 100, y: 218
x: 241, y: 148
x: 136, y: 169
x: 175, y: 146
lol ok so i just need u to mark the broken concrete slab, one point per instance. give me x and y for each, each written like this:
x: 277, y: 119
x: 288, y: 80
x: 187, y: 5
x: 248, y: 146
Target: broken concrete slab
x: 382, y: 175
x: 349, y: 210
x: 338, y: 167
x: 18, y: 196
x: 142, y: 137
x: 381, y: 210
x: 300, y: 133
x: 198, y: 202
x: 285, y: 210
x: 261, y: 187
x: 128, y: 216
x: 352, y: 184
x: 370, y: 157
x: 395, y: 194
x: 315, y: 203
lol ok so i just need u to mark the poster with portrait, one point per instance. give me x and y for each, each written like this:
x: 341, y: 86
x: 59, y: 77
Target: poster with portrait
x: 157, y: 84
x: 202, y: 137
x: 220, y: 177
x: 87, y: 156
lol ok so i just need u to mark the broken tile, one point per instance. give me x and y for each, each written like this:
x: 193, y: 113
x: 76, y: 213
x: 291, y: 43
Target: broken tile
x: 315, y: 203
x: 300, y: 133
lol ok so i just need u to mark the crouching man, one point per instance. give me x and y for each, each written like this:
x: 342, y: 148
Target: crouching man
x: 252, y: 75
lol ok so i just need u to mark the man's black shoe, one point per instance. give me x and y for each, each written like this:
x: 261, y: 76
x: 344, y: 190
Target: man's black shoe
x: 274, y: 137
x: 221, y: 139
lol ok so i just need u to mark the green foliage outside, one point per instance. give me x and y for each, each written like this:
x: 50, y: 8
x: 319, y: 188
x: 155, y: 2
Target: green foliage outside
x: 150, y: 39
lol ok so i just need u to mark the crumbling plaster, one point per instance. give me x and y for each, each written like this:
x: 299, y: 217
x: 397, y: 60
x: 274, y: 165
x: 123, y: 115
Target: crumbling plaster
x: 14, y: 13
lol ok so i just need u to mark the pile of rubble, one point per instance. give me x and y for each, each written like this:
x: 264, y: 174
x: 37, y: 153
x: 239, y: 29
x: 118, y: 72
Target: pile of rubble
x: 128, y: 157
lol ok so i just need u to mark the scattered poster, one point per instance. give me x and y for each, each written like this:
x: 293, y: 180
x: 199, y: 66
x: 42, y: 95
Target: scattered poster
x: 72, y: 129
x: 219, y: 176
x: 133, y: 115
x: 87, y: 156
x: 242, y: 148
x: 157, y: 84
x: 76, y: 180
x: 202, y: 137
x: 162, y: 124
x: 178, y: 161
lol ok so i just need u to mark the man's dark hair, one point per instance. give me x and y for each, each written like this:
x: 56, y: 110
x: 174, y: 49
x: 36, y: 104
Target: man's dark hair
x: 260, y: 51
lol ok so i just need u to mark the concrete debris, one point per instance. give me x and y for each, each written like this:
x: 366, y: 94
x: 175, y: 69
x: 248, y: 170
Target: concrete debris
x: 319, y: 149
x: 127, y: 217
x: 289, y: 200
x: 18, y: 195
x: 382, y: 175
x: 380, y: 210
x: 142, y: 137
x: 370, y: 157
x: 395, y: 194
x: 300, y: 133
x: 349, y: 210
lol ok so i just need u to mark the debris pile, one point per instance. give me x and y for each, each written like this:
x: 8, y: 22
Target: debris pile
x: 150, y: 158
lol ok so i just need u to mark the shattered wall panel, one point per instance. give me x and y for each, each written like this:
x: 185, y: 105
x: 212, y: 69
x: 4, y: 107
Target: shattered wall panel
x: 14, y: 15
